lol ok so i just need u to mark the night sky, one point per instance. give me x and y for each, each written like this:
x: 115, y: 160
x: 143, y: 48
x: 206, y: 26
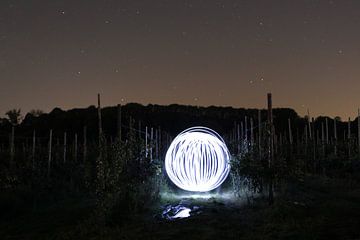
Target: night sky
x: 225, y: 53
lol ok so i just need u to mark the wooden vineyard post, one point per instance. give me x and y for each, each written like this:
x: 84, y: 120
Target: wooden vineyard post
x: 33, y: 149
x: 85, y: 144
x: 99, y: 121
x: 119, y: 120
x: 233, y: 133
x: 327, y: 131
x: 314, y: 142
x: 100, y: 171
x: 238, y: 138
x: 259, y: 127
x: 309, y: 125
x: 12, y: 146
x: 151, y: 143
x: 298, y: 141
x: 246, y: 133
x: 349, y: 138
x: 323, y: 151
x: 335, y: 137
x: 146, y: 142
x: 279, y: 142
x: 306, y: 139
x: 236, y: 132
x: 271, y: 147
x: 242, y: 137
x: 290, y: 137
x: 252, y: 134
x: 160, y: 142
x: 156, y: 144
x: 318, y: 137
x: 290, y: 132
x: 323, y: 139
x: 75, y: 147
x: 358, y: 120
x: 49, y: 155
x: 64, y: 156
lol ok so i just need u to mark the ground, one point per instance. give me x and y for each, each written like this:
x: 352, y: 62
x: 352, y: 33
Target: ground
x: 317, y: 208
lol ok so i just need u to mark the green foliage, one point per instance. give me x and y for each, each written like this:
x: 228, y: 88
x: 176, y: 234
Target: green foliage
x: 126, y: 180
x: 247, y: 174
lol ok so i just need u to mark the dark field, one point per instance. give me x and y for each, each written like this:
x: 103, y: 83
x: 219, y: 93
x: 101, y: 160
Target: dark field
x: 317, y: 208
x: 62, y: 181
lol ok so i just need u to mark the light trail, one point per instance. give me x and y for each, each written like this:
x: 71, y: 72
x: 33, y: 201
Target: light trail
x: 198, y: 160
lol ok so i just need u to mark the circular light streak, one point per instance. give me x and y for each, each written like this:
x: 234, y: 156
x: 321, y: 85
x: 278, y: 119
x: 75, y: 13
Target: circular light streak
x: 197, y: 160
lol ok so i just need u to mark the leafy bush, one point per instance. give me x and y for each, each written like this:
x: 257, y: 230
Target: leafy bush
x: 126, y: 180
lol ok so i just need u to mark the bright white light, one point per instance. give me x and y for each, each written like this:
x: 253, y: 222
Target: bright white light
x: 197, y: 160
x: 184, y: 213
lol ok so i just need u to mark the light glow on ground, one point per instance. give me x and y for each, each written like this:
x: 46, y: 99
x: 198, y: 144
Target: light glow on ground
x: 226, y: 196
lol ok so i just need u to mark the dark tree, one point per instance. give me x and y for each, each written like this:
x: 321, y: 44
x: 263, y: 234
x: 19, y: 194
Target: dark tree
x: 36, y: 112
x: 14, y: 116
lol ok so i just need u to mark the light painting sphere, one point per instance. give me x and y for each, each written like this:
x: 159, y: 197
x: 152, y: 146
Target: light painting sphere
x: 197, y: 160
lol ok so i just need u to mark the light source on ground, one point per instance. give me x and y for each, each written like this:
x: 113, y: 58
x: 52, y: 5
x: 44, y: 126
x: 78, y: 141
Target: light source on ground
x: 183, y: 213
x: 197, y: 160
x: 179, y: 211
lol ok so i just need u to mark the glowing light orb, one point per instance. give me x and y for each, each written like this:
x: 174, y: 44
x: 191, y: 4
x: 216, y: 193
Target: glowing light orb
x: 197, y: 160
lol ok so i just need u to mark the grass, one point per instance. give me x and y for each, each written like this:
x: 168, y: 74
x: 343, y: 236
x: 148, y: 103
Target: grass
x: 314, y: 209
